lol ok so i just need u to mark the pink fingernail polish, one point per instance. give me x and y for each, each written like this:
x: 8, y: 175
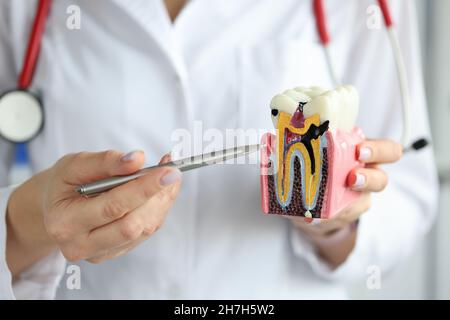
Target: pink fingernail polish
x: 130, y: 156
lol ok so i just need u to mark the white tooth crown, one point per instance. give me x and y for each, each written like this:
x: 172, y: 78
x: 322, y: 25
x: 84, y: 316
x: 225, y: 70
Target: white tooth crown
x: 338, y: 106
x: 312, y: 92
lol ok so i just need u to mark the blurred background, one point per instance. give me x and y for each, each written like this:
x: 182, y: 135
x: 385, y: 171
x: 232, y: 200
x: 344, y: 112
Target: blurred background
x: 426, y: 275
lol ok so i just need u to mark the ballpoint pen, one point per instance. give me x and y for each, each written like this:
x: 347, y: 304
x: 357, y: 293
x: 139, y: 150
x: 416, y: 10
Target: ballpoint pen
x: 183, y: 165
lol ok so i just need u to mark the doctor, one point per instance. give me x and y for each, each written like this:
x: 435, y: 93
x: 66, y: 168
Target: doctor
x: 136, y: 71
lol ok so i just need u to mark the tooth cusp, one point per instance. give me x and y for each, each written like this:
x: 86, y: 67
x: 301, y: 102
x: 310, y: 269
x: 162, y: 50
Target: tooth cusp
x: 338, y: 106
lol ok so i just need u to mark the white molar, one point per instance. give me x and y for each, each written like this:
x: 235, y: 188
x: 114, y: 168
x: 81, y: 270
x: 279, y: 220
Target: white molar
x: 338, y: 106
x: 312, y: 92
x: 350, y: 105
x: 287, y: 102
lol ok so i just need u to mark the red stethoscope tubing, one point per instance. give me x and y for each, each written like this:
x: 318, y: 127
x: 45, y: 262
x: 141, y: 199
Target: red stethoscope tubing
x: 321, y: 24
x: 386, y: 13
x: 321, y: 20
x: 34, y: 45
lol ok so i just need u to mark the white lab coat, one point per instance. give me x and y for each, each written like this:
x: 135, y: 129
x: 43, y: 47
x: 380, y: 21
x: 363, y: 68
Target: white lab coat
x: 128, y: 78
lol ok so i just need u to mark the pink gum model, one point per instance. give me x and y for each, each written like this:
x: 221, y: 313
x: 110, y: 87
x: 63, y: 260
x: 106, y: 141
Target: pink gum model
x: 341, y: 152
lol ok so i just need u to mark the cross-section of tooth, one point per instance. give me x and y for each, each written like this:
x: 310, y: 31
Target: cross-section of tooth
x: 287, y: 102
x: 305, y: 165
x: 326, y: 106
x: 282, y: 103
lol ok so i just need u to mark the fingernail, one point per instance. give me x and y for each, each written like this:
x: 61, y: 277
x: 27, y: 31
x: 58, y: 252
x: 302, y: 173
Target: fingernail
x: 130, y: 156
x: 171, y: 177
x: 360, y: 181
x: 165, y: 158
x: 364, y: 154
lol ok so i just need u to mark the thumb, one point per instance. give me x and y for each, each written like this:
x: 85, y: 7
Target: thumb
x: 89, y: 166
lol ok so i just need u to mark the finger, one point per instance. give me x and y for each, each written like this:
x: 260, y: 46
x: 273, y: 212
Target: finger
x: 111, y: 254
x: 148, y: 217
x: 114, y: 204
x: 352, y: 212
x: 117, y: 251
x: 83, y: 250
x: 143, y: 221
x: 379, y: 151
x: 86, y: 167
x: 166, y: 158
x: 372, y: 180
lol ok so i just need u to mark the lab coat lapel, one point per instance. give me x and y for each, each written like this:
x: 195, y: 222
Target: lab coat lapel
x: 152, y: 16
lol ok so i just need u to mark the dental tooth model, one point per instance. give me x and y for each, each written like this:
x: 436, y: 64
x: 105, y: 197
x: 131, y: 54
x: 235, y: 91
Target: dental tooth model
x: 304, y: 166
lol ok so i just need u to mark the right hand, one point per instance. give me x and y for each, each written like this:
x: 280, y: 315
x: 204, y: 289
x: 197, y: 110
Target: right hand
x: 109, y: 225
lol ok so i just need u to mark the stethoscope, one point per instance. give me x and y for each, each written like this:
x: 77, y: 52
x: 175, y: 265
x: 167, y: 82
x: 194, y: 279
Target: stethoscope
x: 22, y: 115
x: 21, y: 112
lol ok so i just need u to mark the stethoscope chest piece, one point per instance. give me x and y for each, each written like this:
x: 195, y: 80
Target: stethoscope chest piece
x: 21, y: 116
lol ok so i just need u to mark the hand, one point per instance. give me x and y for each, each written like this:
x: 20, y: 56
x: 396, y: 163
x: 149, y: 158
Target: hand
x: 46, y: 213
x: 367, y: 180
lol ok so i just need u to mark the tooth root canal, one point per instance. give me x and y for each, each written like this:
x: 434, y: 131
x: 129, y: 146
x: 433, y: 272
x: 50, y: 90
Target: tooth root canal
x: 303, y: 144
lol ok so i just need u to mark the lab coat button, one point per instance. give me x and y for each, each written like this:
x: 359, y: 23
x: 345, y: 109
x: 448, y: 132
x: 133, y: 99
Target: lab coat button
x: 177, y: 78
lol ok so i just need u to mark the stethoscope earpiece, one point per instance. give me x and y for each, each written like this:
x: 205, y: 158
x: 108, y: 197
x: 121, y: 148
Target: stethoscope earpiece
x: 417, y: 145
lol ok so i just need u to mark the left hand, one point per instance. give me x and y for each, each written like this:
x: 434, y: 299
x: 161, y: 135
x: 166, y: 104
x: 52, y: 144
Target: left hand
x: 366, y: 180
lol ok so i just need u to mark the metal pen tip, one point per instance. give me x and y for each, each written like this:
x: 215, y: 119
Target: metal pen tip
x: 79, y: 190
